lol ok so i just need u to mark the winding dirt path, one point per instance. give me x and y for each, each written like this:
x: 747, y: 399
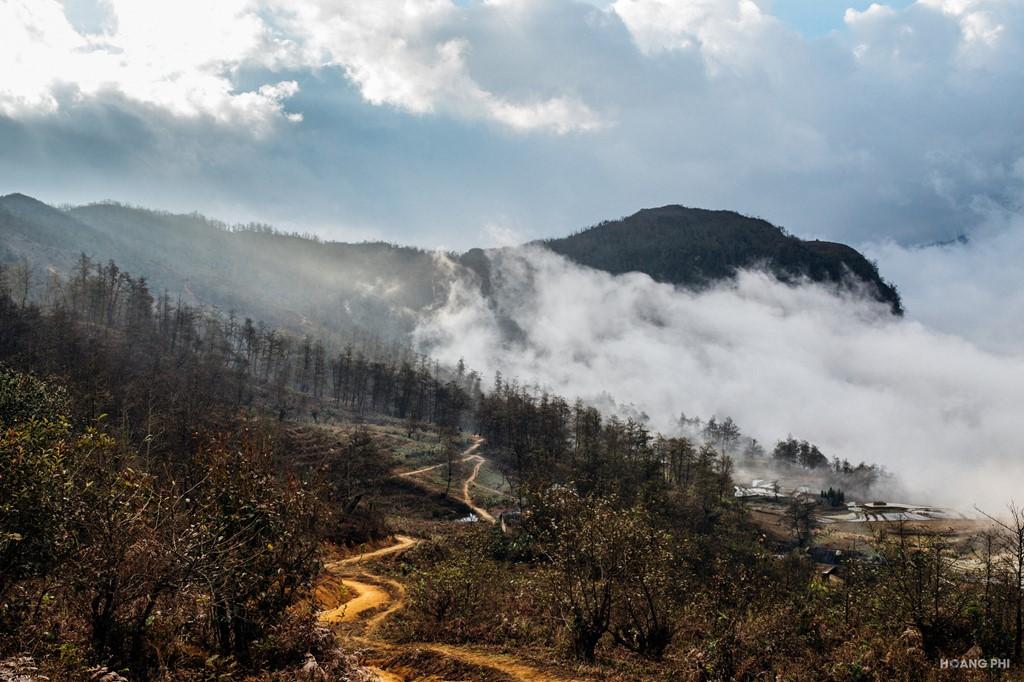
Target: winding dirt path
x: 369, y: 596
x: 502, y: 662
x: 467, y: 455
x: 402, y: 543
x: 479, y: 511
x: 383, y: 596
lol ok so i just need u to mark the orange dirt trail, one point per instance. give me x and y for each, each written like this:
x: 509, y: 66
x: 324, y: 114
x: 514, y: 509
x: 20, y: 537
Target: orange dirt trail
x: 402, y: 543
x: 467, y: 455
x: 383, y: 596
x: 479, y: 511
x: 367, y: 597
x: 370, y: 596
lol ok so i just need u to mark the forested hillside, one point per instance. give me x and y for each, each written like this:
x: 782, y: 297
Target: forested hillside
x: 287, y: 280
x: 164, y: 503
x: 694, y: 247
x: 376, y: 289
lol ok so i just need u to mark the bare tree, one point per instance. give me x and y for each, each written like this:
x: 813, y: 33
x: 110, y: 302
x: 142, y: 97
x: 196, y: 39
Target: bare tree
x: 1010, y: 544
x: 448, y: 439
x: 800, y: 516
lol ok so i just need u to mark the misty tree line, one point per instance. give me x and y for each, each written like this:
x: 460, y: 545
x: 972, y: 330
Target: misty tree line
x: 542, y: 433
x: 543, y: 439
x: 789, y: 451
x: 187, y: 358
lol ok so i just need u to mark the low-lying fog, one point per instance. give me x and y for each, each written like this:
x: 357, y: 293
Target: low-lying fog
x: 938, y: 411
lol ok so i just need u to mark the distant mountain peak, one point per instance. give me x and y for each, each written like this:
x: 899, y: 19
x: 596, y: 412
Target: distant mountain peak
x: 19, y: 199
x: 696, y: 247
x: 24, y: 205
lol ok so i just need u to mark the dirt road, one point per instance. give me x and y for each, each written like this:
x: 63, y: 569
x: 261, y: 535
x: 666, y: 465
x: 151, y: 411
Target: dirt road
x: 374, y: 598
x: 467, y: 498
x: 466, y: 455
x: 469, y: 454
x: 368, y: 596
x: 371, y: 594
x: 402, y: 543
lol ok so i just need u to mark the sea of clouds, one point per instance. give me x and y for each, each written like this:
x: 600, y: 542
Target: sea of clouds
x: 939, y: 409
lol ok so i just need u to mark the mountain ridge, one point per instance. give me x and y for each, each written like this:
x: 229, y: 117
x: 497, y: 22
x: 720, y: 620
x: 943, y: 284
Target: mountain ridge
x: 695, y: 247
x: 311, y: 285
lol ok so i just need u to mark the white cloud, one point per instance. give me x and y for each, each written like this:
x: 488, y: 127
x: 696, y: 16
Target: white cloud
x: 874, y: 11
x: 410, y: 55
x: 177, y: 57
x: 903, y: 123
x: 978, y: 18
x: 971, y: 289
x: 183, y: 57
x: 496, y: 234
x: 934, y: 409
x: 669, y: 25
x: 726, y: 33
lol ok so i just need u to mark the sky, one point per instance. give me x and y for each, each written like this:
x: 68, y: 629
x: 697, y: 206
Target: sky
x: 444, y: 124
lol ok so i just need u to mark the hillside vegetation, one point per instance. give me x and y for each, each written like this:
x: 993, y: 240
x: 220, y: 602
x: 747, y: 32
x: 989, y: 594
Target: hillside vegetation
x: 376, y: 289
x: 287, y: 280
x: 187, y: 496
x: 694, y: 247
